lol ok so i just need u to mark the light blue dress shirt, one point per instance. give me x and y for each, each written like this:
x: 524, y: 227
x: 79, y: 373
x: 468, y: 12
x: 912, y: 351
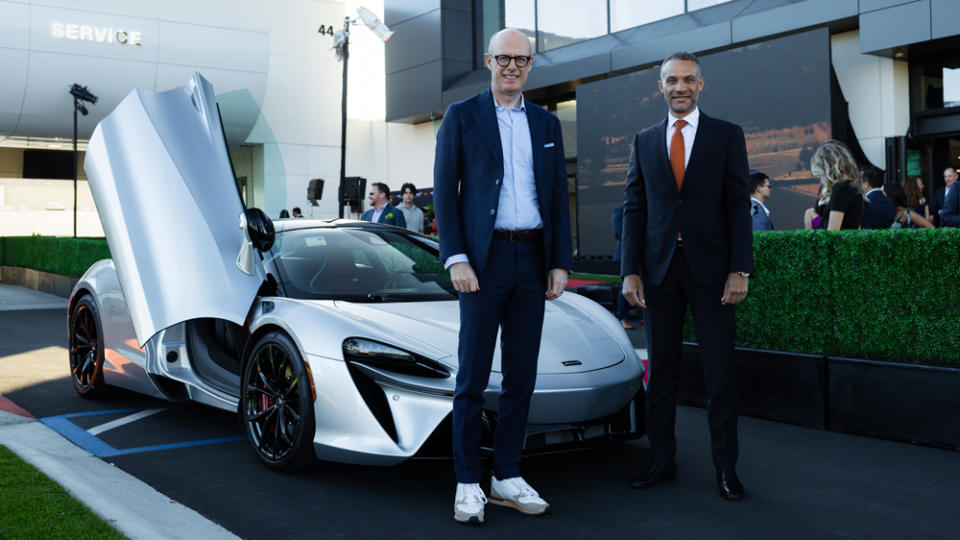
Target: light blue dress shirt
x: 519, y: 205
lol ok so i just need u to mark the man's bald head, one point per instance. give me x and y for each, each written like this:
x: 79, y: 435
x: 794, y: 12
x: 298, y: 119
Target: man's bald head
x: 510, y: 34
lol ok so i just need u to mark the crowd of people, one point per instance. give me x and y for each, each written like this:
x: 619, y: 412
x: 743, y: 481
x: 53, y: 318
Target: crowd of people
x: 853, y: 197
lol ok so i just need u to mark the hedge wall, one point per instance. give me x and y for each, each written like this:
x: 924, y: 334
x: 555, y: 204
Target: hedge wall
x: 58, y: 255
x: 883, y: 295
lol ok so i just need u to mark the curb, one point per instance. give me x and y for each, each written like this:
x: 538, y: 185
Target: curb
x: 123, y: 501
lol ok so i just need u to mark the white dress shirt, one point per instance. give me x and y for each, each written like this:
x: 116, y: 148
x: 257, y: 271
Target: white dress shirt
x: 765, y: 211
x: 519, y: 206
x: 689, y: 132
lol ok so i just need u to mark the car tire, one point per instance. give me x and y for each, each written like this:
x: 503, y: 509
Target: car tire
x: 85, y: 338
x: 276, y: 404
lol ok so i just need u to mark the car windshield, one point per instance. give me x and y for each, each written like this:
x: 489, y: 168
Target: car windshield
x: 360, y: 265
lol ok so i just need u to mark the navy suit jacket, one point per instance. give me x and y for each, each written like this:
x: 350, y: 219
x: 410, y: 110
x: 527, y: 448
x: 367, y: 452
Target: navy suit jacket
x: 711, y: 210
x: 391, y: 215
x: 951, y: 208
x: 468, y: 175
x: 761, y: 221
x: 880, y: 213
x: 616, y: 223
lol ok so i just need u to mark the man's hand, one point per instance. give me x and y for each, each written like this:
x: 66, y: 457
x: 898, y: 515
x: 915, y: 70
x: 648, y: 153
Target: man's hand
x: 556, y: 282
x: 463, y: 277
x: 735, y: 289
x: 633, y: 291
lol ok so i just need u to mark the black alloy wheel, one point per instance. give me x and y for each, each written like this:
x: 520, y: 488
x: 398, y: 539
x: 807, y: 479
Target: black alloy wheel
x: 277, y: 404
x: 86, y: 349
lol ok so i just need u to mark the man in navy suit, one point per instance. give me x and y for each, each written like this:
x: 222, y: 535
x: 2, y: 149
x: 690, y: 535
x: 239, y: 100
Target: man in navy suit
x: 950, y: 199
x: 381, y: 211
x: 758, y: 198
x: 687, y: 240
x: 880, y: 211
x: 500, y: 194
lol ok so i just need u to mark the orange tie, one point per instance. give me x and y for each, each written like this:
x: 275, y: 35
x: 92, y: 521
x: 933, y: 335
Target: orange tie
x: 677, y: 152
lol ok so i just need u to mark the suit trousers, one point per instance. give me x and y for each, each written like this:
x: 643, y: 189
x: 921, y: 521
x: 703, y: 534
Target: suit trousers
x: 510, y: 299
x: 716, y: 326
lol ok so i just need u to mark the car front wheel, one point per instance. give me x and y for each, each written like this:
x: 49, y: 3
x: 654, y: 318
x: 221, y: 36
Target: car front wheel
x: 277, y: 404
x: 86, y: 349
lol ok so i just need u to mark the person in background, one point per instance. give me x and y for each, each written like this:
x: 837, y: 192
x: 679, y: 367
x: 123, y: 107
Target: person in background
x: 382, y: 211
x: 284, y: 214
x: 411, y: 213
x: 880, y: 211
x: 950, y: 210
x: 761, y: 188
x: 623, y: 307
x: 905, y: 217
x: 913, y: 190
x: 296, y: 212
x: 841, y: 202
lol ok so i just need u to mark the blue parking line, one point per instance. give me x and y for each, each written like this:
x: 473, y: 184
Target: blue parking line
x: 93, y: 444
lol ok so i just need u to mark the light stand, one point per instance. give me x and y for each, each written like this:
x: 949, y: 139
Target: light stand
x: 341, y: 44
x: 80, y: 94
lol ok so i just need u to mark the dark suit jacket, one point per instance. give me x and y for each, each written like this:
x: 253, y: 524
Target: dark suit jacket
x: 391, y: 215
x: 880, y: 211
x: 468, y: 175
x: 951, y: 208
x: 712, y: 209
x: 616, y: 223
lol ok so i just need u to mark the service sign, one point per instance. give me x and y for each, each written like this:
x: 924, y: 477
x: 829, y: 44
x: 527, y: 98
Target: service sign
x: 97, y: 34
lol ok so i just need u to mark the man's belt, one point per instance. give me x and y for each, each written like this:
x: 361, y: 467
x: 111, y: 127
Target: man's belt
x: 523, y: 235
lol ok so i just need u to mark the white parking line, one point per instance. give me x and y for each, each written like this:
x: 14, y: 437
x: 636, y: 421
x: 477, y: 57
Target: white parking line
x: 96, y: 430
x: 642, y: 353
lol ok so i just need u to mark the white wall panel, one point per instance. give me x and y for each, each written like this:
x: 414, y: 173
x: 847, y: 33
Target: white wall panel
x: 13, y: 62
x: 285, y: 101
x: 321, y: 80
x: 171, y: 76
x: 411, y: 153
x: 14, y: 25
x: 48, y: 107
x: 210, y: 46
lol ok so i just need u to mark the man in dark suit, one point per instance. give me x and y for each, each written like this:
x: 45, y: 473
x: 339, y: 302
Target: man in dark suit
x: 880, y: 211
x: 500, y: 194
x: 948, y: 198
x: 381, y: 210
x: 687, y: 239
x: 758, y: 199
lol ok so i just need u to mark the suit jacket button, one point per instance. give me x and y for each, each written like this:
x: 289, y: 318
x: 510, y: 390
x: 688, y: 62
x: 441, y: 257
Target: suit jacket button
x: 492, y: 211
x: 680, y: 201
x: 496, y: 182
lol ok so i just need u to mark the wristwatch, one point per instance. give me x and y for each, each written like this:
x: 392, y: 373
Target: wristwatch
x: 744, y: 274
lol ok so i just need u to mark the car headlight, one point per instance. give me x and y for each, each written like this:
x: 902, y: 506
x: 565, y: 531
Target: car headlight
x: 388, y: 358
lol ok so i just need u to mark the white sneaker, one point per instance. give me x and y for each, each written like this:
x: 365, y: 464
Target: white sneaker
x: 468, y: 505
x: 516, y: 493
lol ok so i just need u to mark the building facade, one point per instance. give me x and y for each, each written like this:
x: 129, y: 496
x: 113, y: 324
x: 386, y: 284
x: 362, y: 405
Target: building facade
x: 881, y: 75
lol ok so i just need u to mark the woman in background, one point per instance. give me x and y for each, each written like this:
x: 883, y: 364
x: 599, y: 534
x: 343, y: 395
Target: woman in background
x: 913, y: 189
x: 842, y: 201
x: 906, y: 216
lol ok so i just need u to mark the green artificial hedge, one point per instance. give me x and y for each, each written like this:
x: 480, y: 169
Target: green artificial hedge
x: 882, y: 295
x: 57, y: 255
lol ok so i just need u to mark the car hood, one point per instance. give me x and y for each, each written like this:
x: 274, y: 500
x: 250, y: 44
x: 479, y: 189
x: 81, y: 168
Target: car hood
x: 162, y: 181
x: 571, y: 341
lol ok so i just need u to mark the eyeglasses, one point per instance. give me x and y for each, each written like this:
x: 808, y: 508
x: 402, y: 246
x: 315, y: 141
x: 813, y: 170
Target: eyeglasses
x: 503, y: 60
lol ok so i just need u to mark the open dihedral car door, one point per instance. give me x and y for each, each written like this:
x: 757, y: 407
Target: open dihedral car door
x: 161, y: 177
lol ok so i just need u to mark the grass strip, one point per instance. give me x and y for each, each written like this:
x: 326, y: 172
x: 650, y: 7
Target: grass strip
x: 595, y: 277
x: 33, y: 506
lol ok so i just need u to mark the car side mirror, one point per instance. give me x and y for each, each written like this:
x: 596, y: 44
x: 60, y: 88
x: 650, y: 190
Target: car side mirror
x: 259, y: 229
x: 258, y: 235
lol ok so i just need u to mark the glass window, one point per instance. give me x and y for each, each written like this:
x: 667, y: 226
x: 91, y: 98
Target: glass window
x: 567, y: 114
x: 700, y: 4
x: 522, y: 15
x: 951, y: 87
x: 561, y: 22
x: 629, y: 13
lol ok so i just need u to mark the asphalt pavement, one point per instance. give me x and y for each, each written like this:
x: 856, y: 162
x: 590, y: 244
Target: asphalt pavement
x: 801, y: 482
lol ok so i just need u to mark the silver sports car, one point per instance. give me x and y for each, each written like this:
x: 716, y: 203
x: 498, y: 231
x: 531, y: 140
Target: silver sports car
x: 332, y: 339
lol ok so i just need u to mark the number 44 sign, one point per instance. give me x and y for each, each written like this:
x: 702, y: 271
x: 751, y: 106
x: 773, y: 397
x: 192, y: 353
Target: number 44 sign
x: 326, y: 29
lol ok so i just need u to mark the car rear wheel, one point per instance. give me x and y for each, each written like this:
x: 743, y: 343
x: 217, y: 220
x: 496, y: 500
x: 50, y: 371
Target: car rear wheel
x: 86, y: 349
x: 277, y: 404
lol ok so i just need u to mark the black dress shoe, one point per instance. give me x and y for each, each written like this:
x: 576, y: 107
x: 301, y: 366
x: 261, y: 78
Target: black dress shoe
x: 658, y: 472
x: 729, y: 485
